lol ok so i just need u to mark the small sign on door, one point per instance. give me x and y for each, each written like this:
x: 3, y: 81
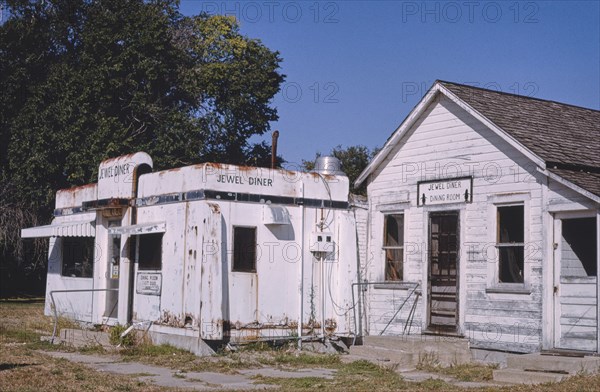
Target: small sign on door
x: 148, y: 283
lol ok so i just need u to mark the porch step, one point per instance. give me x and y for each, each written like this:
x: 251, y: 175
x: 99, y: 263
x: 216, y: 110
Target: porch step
x: 536, y: 368
x: 84, y: 338
x: 408, y: 350
x: 517, y: 376
x: 570, y: 365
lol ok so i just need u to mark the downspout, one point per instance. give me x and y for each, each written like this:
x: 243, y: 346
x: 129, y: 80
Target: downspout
x: 301, y: 307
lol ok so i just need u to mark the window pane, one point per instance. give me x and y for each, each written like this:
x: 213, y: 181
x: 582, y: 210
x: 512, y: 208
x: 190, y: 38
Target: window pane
x: 393, y: 264
x: 511, y: 226
x: 579, y: 247
x: 511, y: 264
x: 150, y: 257
x: 394, y: 230
x: 244, y: 249
x: 78, y: 257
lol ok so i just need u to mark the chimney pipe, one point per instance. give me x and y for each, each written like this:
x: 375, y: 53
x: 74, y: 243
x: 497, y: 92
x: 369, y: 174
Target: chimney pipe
x: 274, y: 149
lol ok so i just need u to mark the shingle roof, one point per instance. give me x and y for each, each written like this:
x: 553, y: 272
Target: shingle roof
x: 566, y: 137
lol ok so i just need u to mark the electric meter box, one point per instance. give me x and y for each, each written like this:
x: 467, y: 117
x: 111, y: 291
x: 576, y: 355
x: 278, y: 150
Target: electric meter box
x: 321, y: 242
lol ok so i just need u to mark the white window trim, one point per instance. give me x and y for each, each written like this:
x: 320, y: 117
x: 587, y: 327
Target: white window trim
x: 384, y: 214
x: 493, y: 261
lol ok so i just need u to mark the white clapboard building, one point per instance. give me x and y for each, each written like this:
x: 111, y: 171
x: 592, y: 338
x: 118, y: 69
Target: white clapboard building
x: 208, y: 252
x: 483, y: 222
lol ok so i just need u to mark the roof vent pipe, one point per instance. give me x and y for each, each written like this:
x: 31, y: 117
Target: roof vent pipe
x: 329, y: 165
x: 274, y: 149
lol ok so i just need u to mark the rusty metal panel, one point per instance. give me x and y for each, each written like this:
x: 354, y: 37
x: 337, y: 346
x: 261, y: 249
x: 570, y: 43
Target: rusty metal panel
x: 211, y: 287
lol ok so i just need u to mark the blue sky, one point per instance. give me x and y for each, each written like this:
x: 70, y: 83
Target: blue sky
x: 355, y: 69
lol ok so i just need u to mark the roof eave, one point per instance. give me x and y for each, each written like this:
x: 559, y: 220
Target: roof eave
x: 570, y: 185
x: 416, y: 113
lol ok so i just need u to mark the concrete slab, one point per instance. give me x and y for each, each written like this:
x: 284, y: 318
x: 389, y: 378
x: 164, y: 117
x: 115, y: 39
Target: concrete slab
x: 295, y: 373
x: 538, y: 362
x: 516, y: 376
x: 201, y: 381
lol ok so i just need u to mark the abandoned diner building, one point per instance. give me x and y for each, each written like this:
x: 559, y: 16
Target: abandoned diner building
x: 481, y: 221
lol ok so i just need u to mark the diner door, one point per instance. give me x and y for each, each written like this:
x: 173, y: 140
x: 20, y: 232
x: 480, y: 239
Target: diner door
x: 575, y: 283
x: 443, y: 272
x: 112, y: 272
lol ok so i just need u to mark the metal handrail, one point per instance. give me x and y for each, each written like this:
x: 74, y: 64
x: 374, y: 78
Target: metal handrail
x: 412, y: 311
x: 68, y: 291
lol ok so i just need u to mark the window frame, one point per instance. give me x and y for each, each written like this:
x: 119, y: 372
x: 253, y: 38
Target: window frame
x: 400, y: 248
x: 91, y: 244
x: 490, y: 251
x: 234, y: 252
x: 508, y: 245
x: 139, y: 241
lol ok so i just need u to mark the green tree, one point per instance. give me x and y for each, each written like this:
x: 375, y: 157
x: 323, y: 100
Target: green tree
x: 85, y: 80
x: 354, y: 160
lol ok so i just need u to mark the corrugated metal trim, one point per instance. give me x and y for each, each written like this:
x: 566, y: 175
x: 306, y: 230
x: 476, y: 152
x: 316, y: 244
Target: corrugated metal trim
x: 139, y: 229
x: 68, y: 211
x: 85, y: 228
x: 206, y: 194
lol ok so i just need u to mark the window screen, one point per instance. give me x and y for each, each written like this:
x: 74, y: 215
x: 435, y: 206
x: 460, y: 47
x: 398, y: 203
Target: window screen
x: 244, y: 249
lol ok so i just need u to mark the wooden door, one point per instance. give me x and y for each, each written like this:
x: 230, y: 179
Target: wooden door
x: 575, y: 283
x: 443, y: 272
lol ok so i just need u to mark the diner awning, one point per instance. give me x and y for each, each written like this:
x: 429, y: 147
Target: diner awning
x: 85, y: 228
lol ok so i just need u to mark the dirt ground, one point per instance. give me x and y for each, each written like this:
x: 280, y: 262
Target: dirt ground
x: 28, y: 364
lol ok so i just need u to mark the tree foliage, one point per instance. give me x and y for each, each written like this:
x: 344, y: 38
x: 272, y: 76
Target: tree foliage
x: 85, y: 80
x: 354, y: 160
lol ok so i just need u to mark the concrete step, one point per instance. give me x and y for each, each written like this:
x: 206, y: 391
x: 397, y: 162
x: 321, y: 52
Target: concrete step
x: 517, y: 376
x: 549, y: 363
x: 409, y: 350
x: 383, y: 356
x: 84, y: 338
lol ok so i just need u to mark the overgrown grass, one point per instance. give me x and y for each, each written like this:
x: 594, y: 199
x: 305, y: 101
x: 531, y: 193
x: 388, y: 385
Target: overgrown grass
x: 462, y: 372
x: 24, y: 367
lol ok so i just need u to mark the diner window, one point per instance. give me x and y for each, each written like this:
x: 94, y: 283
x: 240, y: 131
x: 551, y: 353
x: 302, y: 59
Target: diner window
x: 150, y: 251
x: 511, y: 243
x: 77, y: 257
x: 393, y: 245
x: 244, y: 249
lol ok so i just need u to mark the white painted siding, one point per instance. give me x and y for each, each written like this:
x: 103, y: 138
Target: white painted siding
x: 447, y: 142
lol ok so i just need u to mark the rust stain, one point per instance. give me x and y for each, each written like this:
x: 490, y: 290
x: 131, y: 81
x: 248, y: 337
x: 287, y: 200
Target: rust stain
x: 330, y: 326
x: 213, y: 165
x: 214, y: 207
x: 76, y: 188
x: 171, y: 319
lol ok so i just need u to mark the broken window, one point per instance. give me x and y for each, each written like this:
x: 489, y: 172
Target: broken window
x: 244, y: 249
x: 393, y: 245
x: 511, y: 243
x: 78, y: 257
x: 150, y: 251
x: 579, y: 246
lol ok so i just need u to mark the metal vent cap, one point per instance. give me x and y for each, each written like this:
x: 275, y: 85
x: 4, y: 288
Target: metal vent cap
x: 329, y: 165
